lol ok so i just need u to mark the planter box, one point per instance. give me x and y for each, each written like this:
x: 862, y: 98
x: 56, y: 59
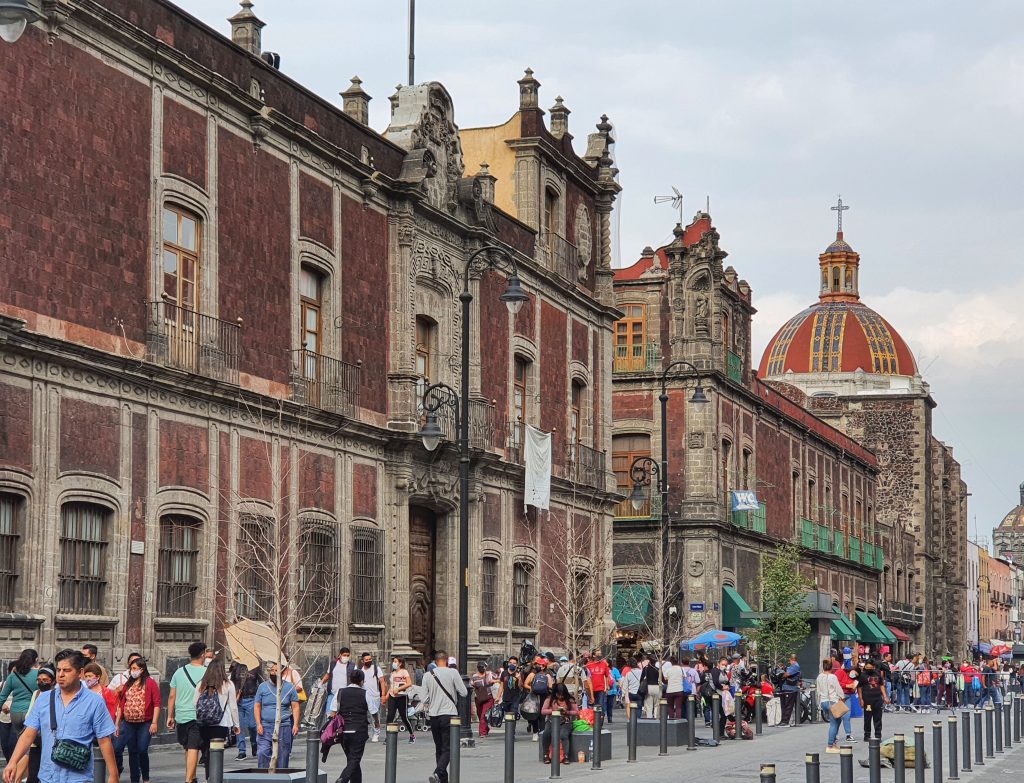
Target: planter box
x: 253, y: 775
x: 581, y: 741
x: 648, y: 733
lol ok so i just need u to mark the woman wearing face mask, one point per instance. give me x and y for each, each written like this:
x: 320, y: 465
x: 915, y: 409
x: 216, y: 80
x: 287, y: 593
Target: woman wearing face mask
x: 19, y: 686
x: 92, y: 676
x: 396, y: 698
x: 29, y: 765
x: 137, y: 720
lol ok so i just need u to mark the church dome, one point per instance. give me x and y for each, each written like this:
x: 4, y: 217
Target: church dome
x: 837, y: 334
x: 1016, y: 517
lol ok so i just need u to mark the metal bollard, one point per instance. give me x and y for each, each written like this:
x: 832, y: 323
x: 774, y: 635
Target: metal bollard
x: 812, y: 764
x: 954, y: 762
x: 846, y: 764
x: 937, y: 751
x: 758, y: 707
x: 455, y: 764
x: 875, y: 760
x: 663, y: 727
x: 631, y: 729
x: 899, y: 758
x: 1007, y: 728
x: 716, y: 717
x: 312, y: 755
x: 555, y: 722
x: 595, y: 751
x: 997, y: 714
x: 216, y: 762
x: 691, y: 721
x: 1018, y: 704
x: 918, y: 754
x: 510, y: 747
x: 965, y: 733
x: 767, y: 773
x: 99, y: 766
x: 979, y: 761
x: 989, y: 730
x: 390, y: 755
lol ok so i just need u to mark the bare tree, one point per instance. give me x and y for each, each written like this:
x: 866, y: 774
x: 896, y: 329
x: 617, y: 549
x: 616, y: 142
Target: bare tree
x: 650, y: 584
x: 282, y: 567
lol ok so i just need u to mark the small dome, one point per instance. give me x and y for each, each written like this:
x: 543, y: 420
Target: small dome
x: 1016, y: 517
x: 839, y: 246
x: 835, y: 336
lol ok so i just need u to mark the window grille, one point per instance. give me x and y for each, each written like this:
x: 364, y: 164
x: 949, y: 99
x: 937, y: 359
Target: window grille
x: 318, y: 571
x: 368, y: 577
x: 488, y: 581
x: 10, y: 518
x: 178, y: 559
x: 522, y: 615
x: 83, y: 558
x: 254, y: 596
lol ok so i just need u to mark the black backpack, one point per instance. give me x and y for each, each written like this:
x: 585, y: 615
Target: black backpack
x: 541, y: 684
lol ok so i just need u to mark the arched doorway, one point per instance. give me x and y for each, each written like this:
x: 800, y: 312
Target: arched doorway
x: 422, y: 573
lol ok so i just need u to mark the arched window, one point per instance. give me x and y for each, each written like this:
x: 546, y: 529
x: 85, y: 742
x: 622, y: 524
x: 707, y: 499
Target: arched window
x: 426, y: 347
x: 176, y: 572
x: 575, y: 421
x: 522, y: 603
x: 83, y: 557
x: 520, y: 398
x: 256, y: 567
x: 12, y: 509
x: 311, y: 285
x: 368, y: 576
x: 550, y: 212
x: 318, y: 571
x: 488, y: 591
x: 182, y: 232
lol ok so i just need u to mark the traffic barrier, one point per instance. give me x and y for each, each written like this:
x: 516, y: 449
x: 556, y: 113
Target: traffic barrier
x: 595, y: 750
x: 1007, y: 729
x: 216, y: 761
x: 758, y: 707
x: 899, y: 758
x: 919, y: 754
x: 663, y: 727
x: 99, y: 766
x: 312, y: 755
x: 965, y: 733
x: 555, y: 722
x: 455, y: 763
x: 954, y: 762
x: 936, y: 751
x: 989, y: 728
x: 767, y: 773
x: 997, y: 714
x: 510, y: 747
x: 691, y: 723
x: 716, y: 717
x: 979, y: 760
x: 846, y: 764
x: 874, y: 760
x: 631, y: 730
x: 812, y: 765
x: 390, y: 753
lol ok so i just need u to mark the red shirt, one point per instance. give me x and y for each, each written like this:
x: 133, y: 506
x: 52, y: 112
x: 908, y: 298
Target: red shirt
x: 600, y: 674
x: 846, y: 682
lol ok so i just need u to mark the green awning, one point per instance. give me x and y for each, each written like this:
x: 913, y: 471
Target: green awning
x: 890, y: 637
x: 842, y: 629
x: 733, y: 606
x: 630, y: 604
x: 868, y: 632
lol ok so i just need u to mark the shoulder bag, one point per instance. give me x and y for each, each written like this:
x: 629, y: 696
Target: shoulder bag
x: 67, y: 753
x: 444, y: 690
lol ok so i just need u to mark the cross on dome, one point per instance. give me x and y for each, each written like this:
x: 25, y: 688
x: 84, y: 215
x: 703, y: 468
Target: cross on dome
x: 840, y: 208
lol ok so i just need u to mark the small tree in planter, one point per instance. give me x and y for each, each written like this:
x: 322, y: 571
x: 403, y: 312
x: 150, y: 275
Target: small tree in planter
x: 783, y: 590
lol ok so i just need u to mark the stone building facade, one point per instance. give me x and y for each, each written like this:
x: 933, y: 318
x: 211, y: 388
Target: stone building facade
x: 815, y: 486
x: 848, y: 366
x: 223, y: 298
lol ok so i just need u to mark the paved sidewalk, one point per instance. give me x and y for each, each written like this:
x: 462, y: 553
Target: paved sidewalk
x: 737, y: 761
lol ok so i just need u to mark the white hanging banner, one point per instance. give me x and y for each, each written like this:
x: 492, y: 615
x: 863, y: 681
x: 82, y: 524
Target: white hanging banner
x: 538, y: 468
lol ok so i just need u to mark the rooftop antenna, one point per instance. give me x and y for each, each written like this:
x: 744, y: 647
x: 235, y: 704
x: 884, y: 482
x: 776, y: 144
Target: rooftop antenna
x: 676, y: 200
x: 412, y: 42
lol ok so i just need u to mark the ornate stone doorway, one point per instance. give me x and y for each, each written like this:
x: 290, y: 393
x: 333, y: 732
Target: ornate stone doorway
x: 422, y: 571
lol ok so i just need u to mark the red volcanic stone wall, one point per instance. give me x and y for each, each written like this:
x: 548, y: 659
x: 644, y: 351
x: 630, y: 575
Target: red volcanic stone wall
x: 315, y: 210
x: 364, y: 490
x: 316, y: 481
x: 90, y: 438
x: 254, y: 467
x: 579, y: 341
x: 365, y: 299
x: 254, y: 254
x: 525, y: 320
x: 74, y: 186
x: 632, y: 405
x: 494, y: 348
x: 184, y: 456
x: 184, y: 142
x: 136, y: 572
x: 491, y: 522
x: 775, y: 479
x: 554, y: 389
x: 15, y: 426
x: 676, y: 414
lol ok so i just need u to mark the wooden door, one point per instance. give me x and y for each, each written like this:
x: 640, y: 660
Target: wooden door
x: 422, y: 529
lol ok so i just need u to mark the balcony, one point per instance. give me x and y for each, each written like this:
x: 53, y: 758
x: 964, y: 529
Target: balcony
x: 187, y: 340
x: 636, y: 358
x: 322, y: 382
x: 734, y: 367
x: 584, y: 465
x: 756, y: 521
x: 483, y: 425
x: 903, y: 614
x: 560, y: 255
x: 649, y: 509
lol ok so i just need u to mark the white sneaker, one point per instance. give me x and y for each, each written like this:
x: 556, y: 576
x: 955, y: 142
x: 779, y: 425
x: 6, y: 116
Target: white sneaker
x: 376, y: 735
x: 534, y: 738
x: 850, y: 738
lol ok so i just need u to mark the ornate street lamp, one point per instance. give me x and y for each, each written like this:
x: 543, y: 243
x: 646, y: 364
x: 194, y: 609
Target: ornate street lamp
x: 15, y: 16
x: 438, y: 396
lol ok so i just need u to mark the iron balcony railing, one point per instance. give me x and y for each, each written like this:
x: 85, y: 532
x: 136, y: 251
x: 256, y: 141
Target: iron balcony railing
x: 484, y: 430
x: 636, y: 358
x: 561, y: 255
x: 322, y: 382
x: 584, y: 465
x: 649, y: 509
x: 903, y: 613
x: 180, y: 337
x: 734, y: 367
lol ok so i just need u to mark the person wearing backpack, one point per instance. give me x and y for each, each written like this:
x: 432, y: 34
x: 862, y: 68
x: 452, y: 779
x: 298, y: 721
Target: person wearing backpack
x: 181, y: 709
x: 539, y: 683
x: 216, y: 707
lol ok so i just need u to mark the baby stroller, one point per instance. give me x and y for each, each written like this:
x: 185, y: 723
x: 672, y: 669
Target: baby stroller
x: 417, y: 711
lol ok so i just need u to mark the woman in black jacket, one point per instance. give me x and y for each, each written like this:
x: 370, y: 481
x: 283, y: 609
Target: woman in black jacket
x: 351, y: 705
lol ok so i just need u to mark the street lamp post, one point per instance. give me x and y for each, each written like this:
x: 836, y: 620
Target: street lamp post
x: 440, y: 395
x: 15, y: 16
x: 644, y: 469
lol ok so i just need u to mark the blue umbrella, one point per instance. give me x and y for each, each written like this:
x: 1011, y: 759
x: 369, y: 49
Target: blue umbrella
x: 711, y: 639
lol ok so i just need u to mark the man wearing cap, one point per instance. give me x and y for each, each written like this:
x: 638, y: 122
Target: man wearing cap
x: 574, y: 677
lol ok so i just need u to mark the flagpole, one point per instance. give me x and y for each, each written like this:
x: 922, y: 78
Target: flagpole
x: 412, y: 42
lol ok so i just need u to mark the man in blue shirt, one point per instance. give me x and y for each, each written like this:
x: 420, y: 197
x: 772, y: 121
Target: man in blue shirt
x: 791, y: 689
x: 81, y: 716
x: 265, y: 712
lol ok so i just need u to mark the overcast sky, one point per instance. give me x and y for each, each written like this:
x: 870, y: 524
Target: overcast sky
x: 913, y: 110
